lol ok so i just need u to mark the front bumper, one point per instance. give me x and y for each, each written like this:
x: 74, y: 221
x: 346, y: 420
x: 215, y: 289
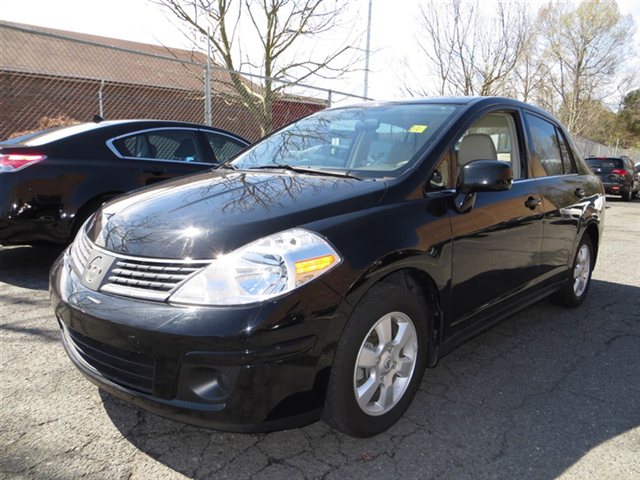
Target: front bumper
x: 254, y: 368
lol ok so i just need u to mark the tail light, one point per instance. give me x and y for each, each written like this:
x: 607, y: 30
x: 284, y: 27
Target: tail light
x: 619, y: 171
x: 16, y: 161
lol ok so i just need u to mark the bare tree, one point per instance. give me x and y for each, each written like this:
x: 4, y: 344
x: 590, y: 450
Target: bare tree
x: 583, y: 49
x: 279, y: 27
x: 469, y: 52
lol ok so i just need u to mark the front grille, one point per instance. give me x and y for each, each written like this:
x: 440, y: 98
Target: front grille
x: 129, y: 369
x: 148, y: 279
x: 138, y: 277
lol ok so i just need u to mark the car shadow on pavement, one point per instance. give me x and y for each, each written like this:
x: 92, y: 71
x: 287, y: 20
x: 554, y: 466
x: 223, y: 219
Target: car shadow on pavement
x: 527, y: 399
x: 28, y: 267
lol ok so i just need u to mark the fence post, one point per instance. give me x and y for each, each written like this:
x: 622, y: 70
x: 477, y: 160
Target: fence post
x: 207, y: 95
x: 330, y: 98
x: 100, y: 106
x: 207, y: 83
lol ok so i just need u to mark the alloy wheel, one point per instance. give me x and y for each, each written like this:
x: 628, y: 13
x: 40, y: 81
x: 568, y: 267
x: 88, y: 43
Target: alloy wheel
x: 385, y: 363
x: 581, y: 271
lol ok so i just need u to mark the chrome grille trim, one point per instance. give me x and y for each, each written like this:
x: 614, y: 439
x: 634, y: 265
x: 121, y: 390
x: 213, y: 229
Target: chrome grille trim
x: 80, y: 251
x: 146, y: 278
x: 152, y: 281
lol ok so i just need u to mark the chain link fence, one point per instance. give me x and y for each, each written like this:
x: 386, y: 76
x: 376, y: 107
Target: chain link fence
x: 48, y: 78
x: 589, y: 148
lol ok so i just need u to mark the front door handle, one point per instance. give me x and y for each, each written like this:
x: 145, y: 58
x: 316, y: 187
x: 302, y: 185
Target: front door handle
x: 532, y: 203
x: 580, y: 193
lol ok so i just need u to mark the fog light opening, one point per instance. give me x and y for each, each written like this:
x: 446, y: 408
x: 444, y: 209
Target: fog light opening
x: 208, y: 383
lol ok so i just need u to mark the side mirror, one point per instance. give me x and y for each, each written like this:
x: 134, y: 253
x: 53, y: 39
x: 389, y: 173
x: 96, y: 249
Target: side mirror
x: 484, y: 176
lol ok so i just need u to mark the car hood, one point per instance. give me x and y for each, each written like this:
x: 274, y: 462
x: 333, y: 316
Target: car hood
x: 204, y: 215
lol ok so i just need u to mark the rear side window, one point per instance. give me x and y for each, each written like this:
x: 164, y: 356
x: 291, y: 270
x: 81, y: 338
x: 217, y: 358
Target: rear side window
x: 550, y: 153
x: 174, y: 145
x: 223, y: 147
x: 547, y: 159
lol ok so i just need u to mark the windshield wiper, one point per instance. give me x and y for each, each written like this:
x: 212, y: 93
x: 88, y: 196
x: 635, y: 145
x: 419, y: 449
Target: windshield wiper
x: 308, y: 170
x: 228, y: 166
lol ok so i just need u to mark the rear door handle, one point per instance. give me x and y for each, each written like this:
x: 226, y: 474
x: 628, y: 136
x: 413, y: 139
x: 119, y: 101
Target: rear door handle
x: 532, y: 203
x: 155, y: 171
x: 580, y: 193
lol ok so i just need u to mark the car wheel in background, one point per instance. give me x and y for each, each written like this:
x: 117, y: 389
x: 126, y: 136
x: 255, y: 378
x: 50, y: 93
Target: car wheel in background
x: 379, y: 362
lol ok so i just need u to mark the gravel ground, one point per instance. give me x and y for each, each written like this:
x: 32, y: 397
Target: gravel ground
x: 548, y: 393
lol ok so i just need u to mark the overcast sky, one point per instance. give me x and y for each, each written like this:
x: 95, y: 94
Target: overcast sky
x: 392, y: 40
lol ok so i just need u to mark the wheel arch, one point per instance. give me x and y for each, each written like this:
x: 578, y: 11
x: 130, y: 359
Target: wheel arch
x: 594, y: 235
x: 87, y: 208
x: 408, y: 272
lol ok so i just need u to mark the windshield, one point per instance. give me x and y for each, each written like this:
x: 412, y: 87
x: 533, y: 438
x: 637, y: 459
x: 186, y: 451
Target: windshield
x: 374, y: 141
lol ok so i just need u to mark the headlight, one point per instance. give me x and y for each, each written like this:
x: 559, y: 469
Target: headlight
x: 263, y: 269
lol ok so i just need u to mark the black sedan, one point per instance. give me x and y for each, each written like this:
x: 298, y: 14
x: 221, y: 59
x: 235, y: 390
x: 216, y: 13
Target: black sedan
x: 320, y: 272
x: 51, y: 181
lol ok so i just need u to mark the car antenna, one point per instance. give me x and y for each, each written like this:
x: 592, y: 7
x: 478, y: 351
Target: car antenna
x: 97, y: 119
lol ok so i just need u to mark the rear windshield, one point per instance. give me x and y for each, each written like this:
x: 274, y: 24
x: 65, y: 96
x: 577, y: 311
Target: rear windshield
x: 50, y: 135
x: 605, y: 164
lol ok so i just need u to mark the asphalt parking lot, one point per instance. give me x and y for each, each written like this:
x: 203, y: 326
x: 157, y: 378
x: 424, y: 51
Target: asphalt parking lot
x: 548, y: 393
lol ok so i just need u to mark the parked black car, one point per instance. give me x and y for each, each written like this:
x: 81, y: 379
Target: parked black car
x: 327, y: 265
x: 51, y: 181
x: 618, y: 175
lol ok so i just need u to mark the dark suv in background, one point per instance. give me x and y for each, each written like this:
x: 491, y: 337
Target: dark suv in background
x: 51, y: 181
x: 617, y: 174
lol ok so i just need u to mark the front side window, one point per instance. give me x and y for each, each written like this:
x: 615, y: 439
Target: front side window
x: 174, y: 145
x: 492, y: 137
x: 371, y: 141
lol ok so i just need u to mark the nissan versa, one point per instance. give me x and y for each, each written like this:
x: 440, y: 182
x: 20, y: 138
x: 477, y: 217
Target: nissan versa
x: 318, y: 273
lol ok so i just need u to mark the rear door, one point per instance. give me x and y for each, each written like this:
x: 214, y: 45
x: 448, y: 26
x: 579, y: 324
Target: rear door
x: 565, y: 192
x: 159, y: 154
x: 497, y: 244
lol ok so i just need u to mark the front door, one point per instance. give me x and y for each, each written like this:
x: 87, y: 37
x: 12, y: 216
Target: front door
x: 496, y: 245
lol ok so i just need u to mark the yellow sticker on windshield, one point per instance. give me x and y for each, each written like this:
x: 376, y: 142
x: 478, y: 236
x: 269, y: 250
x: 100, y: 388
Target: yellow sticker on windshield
x: 418, y: 128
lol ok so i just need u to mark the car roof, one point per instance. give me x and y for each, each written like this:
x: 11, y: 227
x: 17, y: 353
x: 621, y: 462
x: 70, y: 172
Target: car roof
x: 53, y: 134
x: 469, y: 102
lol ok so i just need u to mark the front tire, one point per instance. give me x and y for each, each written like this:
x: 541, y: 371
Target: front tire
x: 577, y: 285
x: 379, y: 362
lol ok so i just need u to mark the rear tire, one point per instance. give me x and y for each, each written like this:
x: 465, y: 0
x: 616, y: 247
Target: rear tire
x: 83, y: 213
x: 577, y: 285
x: 379, y: 362
x: 626, y: 195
